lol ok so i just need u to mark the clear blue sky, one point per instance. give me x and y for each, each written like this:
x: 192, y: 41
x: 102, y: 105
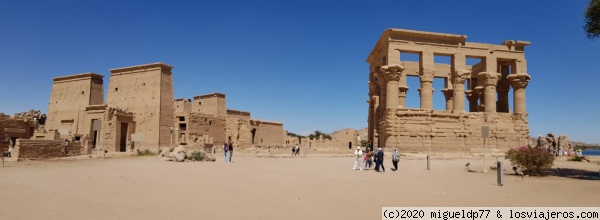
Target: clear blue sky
x: 298, y: 62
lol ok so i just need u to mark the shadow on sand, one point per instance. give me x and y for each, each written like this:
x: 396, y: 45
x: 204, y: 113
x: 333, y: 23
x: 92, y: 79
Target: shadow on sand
x: 573, y: 173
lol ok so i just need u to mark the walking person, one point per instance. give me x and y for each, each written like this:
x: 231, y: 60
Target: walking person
x: 358, y: 158
x: 297, y: 150
x: 379, y: 157
x: 293, y: 150
x: 10, y: 148
x: 368, y: 158
x: 395, y: 159
x: 225, y: 148
x: 230, y: 149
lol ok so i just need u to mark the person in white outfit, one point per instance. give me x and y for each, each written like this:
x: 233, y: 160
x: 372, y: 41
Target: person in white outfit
x: 358, y: 158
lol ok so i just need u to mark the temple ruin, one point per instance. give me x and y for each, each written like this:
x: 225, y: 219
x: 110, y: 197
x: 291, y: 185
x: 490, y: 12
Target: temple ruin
x: 500, y: 70
x: 140, y: 113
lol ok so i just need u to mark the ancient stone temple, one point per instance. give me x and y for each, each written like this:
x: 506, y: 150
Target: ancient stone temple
x: 498, y: 71
x: 140, y: 113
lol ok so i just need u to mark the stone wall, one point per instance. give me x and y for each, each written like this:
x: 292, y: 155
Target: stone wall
x: 202, y: 124
x: 182, y: 106
x: 422, y: 131
x: 238, y: 114
x: 14, y: 127
x: 238, y: 132
x: 44, y: 149
x: 267, y: 133
x: 345, y: 136
x: 210, y: 104
x: 68, y: 99
x: 147, y: 92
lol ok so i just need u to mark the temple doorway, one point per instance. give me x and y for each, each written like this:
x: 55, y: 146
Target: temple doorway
x: 123, y: 137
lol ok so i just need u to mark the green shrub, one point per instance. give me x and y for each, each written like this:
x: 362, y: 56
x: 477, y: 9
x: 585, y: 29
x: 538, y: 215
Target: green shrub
x: 532, y: 160
x: 197, y: 156
x: 145, y: 153
x: 576, y: 158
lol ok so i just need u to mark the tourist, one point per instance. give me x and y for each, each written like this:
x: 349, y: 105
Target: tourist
x: 9, y: 151
x: 358, y: 157
x: 368, y: 158
x: 230, y: 149
x: 379, y: 155
x: 297, y: 150
x: 225, y: 148
x: 374, y: 157
x: 395, y: 159
x: 293, y: 151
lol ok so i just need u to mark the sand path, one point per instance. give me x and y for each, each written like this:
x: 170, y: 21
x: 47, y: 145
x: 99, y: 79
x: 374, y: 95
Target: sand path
x: 267, y: 188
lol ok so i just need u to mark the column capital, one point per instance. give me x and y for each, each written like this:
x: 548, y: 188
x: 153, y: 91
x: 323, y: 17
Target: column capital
x: 427, y: 75
x: 403, y: 89
x: 471, y: 95
x: 459, y: 77
x: 478, y: 91
x: 448, y: 93
x: 520, y: 80
x: 392, y: 72
x: 489, y: 78
x: 379, y: 79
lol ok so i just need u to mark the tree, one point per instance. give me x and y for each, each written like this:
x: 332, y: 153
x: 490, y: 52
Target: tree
x: 592, y: 19
x: 318, y: 133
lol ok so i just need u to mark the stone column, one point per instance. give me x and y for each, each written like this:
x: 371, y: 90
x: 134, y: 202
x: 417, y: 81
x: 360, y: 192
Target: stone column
x: 458, y: 83
x: 458, y: 75
x: 377, y: 118
x: 489, y: 81
x: 381, y: 82
x: 503, y: 89
x: 402, y: 90
x: 449, y: 95
x: 478, y: 92
x: 426, y: 90
x: 472, y: 97
x: 392, y: 74
x: 519, y: 82
x: 370, y: 119
x: 426, y: 75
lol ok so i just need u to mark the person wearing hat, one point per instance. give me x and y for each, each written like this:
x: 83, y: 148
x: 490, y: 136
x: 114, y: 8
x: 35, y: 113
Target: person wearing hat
x: 358, y: 158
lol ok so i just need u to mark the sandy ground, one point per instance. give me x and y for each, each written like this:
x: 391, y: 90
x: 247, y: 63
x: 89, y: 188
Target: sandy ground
x: 270, y: 188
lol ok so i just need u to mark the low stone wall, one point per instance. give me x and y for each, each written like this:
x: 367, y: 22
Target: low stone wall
x: 431, y: 132
x: 44, y: 149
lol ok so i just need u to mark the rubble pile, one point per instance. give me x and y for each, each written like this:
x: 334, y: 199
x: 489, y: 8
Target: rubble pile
x: 32, y: 113
x: 181, y: 154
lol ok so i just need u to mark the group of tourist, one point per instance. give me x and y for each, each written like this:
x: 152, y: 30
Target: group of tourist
x: 561, y: 152
x: 295, y: 150
x: 371, y: 157
x: 228, y: 150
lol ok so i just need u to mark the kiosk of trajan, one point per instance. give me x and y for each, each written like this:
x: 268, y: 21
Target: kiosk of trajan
x: 499, y: 71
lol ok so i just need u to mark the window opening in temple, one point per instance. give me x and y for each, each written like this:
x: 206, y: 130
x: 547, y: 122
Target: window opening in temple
x: 439, y: 100
x: 413, y: 100
x: 443, y: 66
x: 410, y: 57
